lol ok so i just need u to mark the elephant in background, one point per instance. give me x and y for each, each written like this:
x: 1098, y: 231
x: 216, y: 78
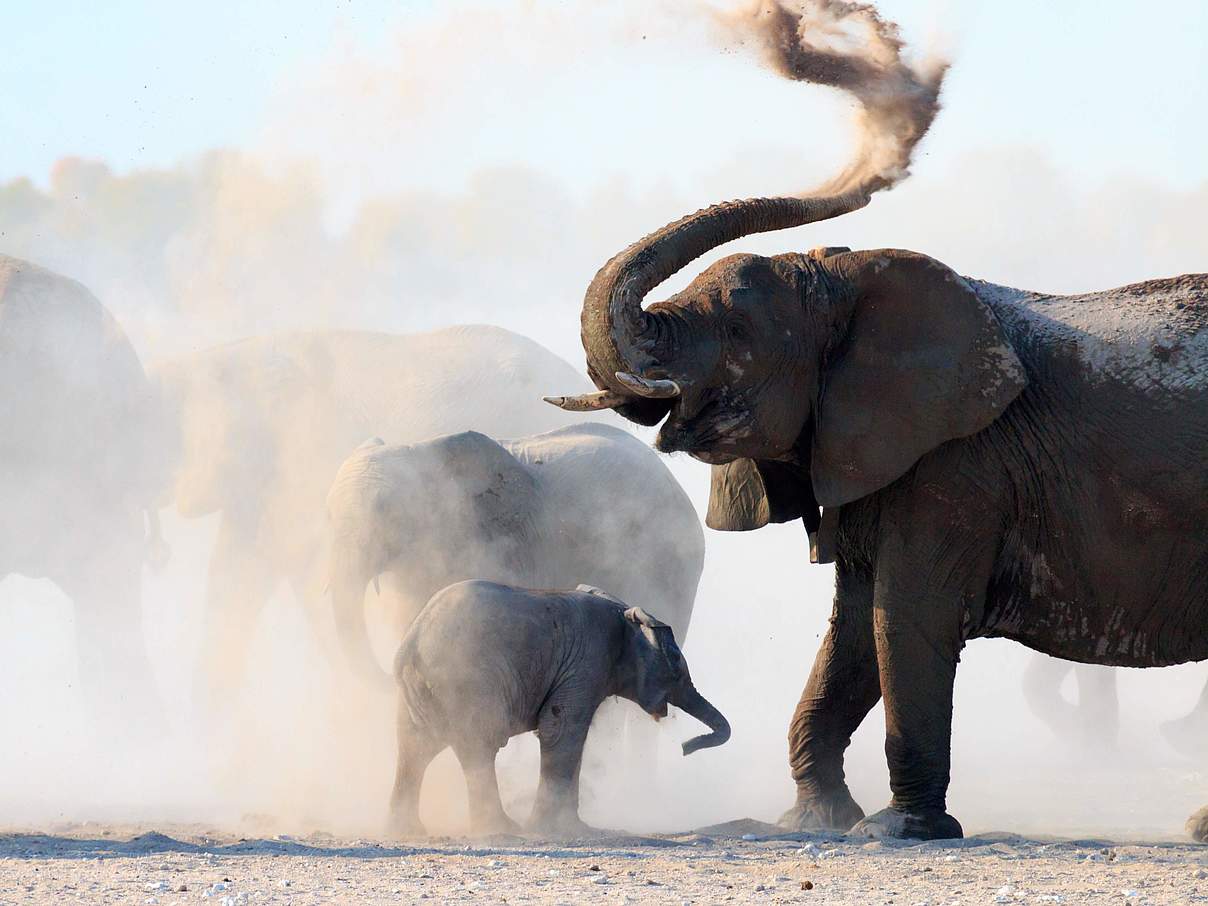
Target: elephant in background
x: 484, y: 662
x: 989, y: 462
x: 80, y: 465
x: 586, y: 503
x: 262, y: 424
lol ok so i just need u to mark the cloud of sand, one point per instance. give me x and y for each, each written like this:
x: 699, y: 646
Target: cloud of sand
x: 850, y: 46
x: 237, y: 242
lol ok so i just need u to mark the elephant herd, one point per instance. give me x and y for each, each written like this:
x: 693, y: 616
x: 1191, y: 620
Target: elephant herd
x: 975, y: 460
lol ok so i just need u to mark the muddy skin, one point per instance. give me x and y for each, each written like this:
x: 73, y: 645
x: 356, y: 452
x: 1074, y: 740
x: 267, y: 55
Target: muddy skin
x: 989, y: 462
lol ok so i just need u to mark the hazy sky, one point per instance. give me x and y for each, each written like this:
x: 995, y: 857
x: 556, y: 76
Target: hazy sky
x: 1102, y: 86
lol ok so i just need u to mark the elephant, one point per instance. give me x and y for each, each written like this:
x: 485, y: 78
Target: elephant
x: 977, y: 461
x: 484, y: 662
x: 80, y: 465
x: 1094, y: 720
x: 548, y: 510
x: 262, y: 424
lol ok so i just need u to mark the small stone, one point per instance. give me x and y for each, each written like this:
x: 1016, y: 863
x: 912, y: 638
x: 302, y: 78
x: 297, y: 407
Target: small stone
x: 749, y: 837
x: 594, y: 868
x: 600, y: 879
x: 807, y: 885
x: 284, y: 882
x: 156, y: 886
x: 758, y: 887
x: 495, y: 863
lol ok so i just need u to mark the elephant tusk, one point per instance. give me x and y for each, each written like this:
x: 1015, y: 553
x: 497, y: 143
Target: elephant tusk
x: 644, y: 387
x: 588, y: 402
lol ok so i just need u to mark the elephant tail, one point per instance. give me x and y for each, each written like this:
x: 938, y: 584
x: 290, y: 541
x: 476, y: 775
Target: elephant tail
x: 347, y: 585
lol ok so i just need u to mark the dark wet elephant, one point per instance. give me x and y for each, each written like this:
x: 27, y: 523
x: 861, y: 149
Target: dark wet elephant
x: 988, y: 462
x: 79, y: 470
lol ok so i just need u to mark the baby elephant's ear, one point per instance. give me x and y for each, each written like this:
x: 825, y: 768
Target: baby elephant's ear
x: 639, y: 616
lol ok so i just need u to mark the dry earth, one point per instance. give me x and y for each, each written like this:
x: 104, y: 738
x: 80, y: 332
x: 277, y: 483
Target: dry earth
x: 743, y: 861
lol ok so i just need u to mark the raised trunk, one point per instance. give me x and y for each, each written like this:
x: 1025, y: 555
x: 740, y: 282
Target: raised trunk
x: 617, y: 334
x: 348, y: 606
x: 698, y: 706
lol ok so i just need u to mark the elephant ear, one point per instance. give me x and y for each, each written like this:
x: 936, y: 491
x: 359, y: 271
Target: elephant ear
x: 923, y: 361
x: 501, y: 491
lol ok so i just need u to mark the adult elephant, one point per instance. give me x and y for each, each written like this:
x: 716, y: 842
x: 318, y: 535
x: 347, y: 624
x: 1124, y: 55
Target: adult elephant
x: 264, y: 423
x: 79, y: 468
x: 587, y: 503
x: 988, y: 462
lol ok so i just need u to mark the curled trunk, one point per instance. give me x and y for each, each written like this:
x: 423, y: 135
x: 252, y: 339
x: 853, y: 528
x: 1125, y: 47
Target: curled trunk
x: 617, y: 333
x: 699, y: 707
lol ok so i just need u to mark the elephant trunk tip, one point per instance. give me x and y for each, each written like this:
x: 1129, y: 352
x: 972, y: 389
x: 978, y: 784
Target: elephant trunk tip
x: 707, y: 740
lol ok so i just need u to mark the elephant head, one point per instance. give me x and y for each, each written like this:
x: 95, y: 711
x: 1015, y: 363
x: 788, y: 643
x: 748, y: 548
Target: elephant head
x: 660, y: 678
x: 803, y: 379
x: 433, y: 513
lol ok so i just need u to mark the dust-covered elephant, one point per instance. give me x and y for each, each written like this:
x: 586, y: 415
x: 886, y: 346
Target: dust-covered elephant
x: 484, y: 662
x: 584, y: 504
x: 988, y: 462
x: 79, y: 469
x: 264, y: 423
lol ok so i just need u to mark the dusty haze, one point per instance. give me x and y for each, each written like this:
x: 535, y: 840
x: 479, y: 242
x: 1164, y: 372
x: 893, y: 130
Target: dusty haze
x: 333, y: 224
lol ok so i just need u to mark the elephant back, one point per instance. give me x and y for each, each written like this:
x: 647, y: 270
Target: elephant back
x: 617, y: 517
x: 75, y: 399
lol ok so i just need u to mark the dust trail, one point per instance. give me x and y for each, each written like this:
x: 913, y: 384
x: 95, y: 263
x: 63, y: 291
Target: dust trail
x: 849, y: 46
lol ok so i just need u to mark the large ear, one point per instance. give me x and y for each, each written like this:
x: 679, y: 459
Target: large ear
x: 923, y: 361
x: 748, y: 494
x: 502, y: 491
x: 660, y: 662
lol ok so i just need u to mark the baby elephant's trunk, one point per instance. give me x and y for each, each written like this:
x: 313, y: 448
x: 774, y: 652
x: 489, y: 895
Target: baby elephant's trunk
x: 698, y: 706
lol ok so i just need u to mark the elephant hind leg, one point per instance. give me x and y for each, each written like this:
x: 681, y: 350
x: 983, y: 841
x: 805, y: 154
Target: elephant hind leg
x: 477, y: 758
x: 416, y: 749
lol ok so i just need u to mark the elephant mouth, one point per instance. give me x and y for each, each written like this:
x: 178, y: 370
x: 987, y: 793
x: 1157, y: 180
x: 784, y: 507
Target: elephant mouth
x: 713, y: 458
x: 659, y: 712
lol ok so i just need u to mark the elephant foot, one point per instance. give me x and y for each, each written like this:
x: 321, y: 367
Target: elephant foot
x: 893, y: 823
x: 401, y: 825
x: 562, y: 826
x: 496, y: 824
x: 835, y: 810
x: 1197, y: 826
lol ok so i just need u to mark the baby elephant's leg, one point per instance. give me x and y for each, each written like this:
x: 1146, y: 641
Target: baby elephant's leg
x: 416, y: 749
x: 562, y: 733
x: 477, y: 759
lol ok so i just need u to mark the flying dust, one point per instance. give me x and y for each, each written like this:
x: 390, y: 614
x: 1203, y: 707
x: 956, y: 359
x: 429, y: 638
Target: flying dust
x: 248, y: 242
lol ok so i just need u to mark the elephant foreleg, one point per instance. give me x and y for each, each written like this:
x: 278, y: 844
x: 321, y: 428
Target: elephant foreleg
x: 239, y: 584
x: 842, y: 688
x: 115, y: 671
x: 562, y: 733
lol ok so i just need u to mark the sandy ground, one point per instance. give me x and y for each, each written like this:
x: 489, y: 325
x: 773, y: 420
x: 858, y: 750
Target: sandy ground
x: 743, y: 861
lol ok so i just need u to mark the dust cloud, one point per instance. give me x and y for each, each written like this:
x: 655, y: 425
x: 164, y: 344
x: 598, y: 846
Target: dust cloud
x: 850, y: 46
x: 245, y: 242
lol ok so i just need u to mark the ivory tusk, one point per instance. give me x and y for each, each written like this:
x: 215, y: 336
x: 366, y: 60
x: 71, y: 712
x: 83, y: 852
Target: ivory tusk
x: 660, y: 389
x: 588, y: 402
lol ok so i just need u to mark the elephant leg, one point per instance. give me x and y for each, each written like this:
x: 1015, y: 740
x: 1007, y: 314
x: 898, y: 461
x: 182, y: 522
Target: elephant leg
x: 115, y: 670
x: 1188, y: 735
x: 1098, y: 704
x: 416, y: 749
x: 1197, y: 826
x: 933, y: 565
x: 1042, y: 691
x: 562, y: 735
x: 239, y: 584
x: 477, y: 759
x: 842, y: 688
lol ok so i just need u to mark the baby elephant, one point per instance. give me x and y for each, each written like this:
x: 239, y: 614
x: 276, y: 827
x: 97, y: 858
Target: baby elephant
x: 484, y: 662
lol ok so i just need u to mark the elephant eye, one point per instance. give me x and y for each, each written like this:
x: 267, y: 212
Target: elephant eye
x: 737, y: 330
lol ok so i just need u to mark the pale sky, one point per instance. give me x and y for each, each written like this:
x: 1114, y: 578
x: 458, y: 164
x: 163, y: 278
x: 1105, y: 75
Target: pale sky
x: 1102, y: 87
